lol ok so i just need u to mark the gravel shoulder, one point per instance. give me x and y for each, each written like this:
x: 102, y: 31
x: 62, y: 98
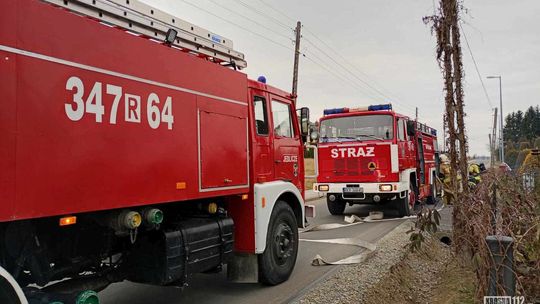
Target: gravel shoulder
x: 350, y: 283
x: 393, y: 274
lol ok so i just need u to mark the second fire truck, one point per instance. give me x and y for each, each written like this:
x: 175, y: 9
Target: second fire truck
x: 373, y: 155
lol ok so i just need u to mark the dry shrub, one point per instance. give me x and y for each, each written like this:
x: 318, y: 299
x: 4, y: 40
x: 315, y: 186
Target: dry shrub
x: 518, y: 217
x: 524, y: 145
x: 521, y: 158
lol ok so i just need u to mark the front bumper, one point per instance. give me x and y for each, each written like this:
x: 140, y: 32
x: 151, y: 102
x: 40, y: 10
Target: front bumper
x: 398, y: 190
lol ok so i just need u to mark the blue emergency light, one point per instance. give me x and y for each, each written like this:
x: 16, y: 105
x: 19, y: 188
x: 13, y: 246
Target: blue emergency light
x: 335, y: 111
x: 380, y: 107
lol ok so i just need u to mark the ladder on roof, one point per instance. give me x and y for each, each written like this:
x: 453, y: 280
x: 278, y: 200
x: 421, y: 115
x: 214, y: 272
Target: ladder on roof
x: 137, y: 17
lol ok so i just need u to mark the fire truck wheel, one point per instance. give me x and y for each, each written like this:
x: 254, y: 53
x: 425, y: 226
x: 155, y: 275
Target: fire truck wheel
x: 432, y: 198
x: 277, y: 262
x: 405, y: 206
x: 336, y: 207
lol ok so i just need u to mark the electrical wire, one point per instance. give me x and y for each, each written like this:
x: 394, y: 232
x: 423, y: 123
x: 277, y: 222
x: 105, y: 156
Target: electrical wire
x: 320, y: 40
x: 254, y: 21
x: 276, y: 10
x: 347, y: 70
x: 351, y: 65
x: 319, y: 62
x: 476, y: 66
x: 239, y: 26
x: 275, y: 20
x: 372, y: 87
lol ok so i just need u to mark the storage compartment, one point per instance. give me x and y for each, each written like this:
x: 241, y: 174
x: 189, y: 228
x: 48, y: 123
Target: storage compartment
x: 170, y: 256
x: 223, y: 150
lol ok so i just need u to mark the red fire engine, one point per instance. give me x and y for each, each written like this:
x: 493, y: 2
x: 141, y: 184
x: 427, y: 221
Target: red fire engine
x: 132, y: 148
x: 373, y: 155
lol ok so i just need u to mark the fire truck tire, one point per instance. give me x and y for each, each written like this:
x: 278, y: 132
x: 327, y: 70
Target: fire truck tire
x: 337, y: 207
x: 404, y: 205
x: 432, y: 198
x: 277, y: 262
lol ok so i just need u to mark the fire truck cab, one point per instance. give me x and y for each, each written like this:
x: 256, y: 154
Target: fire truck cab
x: 373, y: 155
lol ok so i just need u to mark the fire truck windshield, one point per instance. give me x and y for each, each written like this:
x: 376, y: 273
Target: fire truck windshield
x: 357, y: 128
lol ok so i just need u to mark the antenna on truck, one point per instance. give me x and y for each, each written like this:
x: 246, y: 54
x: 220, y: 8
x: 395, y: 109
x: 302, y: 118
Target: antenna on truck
x: 137, y: 17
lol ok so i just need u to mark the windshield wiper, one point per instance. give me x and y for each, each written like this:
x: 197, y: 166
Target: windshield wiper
x: 353, y: 137
x: 370, y: 136
x: 346, y: 137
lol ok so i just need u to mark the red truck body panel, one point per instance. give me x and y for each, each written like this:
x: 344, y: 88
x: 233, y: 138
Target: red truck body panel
x: 53, y: 165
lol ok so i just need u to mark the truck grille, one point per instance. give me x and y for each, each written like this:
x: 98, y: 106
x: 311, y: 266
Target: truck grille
x: 352, y: 167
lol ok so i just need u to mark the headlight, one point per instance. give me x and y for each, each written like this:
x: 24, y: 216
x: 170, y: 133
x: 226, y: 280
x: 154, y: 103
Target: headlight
x: 385, y: 187
x: 324, y: 188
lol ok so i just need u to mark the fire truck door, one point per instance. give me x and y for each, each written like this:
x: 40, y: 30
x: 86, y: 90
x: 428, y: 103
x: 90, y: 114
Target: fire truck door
x: 403, y: 148
x: 262, y: 150
x: 421, y: 161
x: 286, y: 142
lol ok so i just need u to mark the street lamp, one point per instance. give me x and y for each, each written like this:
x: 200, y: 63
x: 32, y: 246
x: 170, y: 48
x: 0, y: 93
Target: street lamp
x: 501, y: 134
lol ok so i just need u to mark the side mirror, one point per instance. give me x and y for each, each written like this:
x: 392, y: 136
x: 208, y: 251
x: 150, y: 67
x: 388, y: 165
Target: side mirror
x: 411, y: 128
x: 304, y: 121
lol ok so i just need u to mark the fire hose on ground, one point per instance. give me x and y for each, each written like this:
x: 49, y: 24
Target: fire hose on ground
x: 351, y: 220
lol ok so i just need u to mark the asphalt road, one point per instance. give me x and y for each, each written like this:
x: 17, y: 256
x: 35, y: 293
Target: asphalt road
x: 214, y: 288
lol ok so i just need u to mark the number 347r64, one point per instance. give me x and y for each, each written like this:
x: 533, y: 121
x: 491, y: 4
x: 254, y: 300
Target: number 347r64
x: 77, y: 107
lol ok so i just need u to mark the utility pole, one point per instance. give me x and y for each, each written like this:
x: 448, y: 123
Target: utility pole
x: 416, y: 113
x: 296, y: 59
x: 501, y: 133
x: 494, y: 137
x: 492, y: 161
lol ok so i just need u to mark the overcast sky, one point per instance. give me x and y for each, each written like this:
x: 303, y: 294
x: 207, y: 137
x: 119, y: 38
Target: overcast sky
x: 383, y: 43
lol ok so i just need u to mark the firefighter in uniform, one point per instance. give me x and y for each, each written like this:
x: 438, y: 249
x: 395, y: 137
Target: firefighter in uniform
x: 474, y: 175
x: 444, y: 174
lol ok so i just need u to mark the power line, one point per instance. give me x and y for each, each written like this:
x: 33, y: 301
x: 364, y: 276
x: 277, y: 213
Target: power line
x: 254, y: 21
x: 275, y: 20
x: 328, y: 46
x: 346, y: 60
x: 277, y: 43
x: 276, y: 10
x: 319, y: 62
x: 476, y: 66
x: 334, y: 51
x: 343, y: 67
x: 333, y: 72
x: 349, y: 71
x: 239, y: 26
